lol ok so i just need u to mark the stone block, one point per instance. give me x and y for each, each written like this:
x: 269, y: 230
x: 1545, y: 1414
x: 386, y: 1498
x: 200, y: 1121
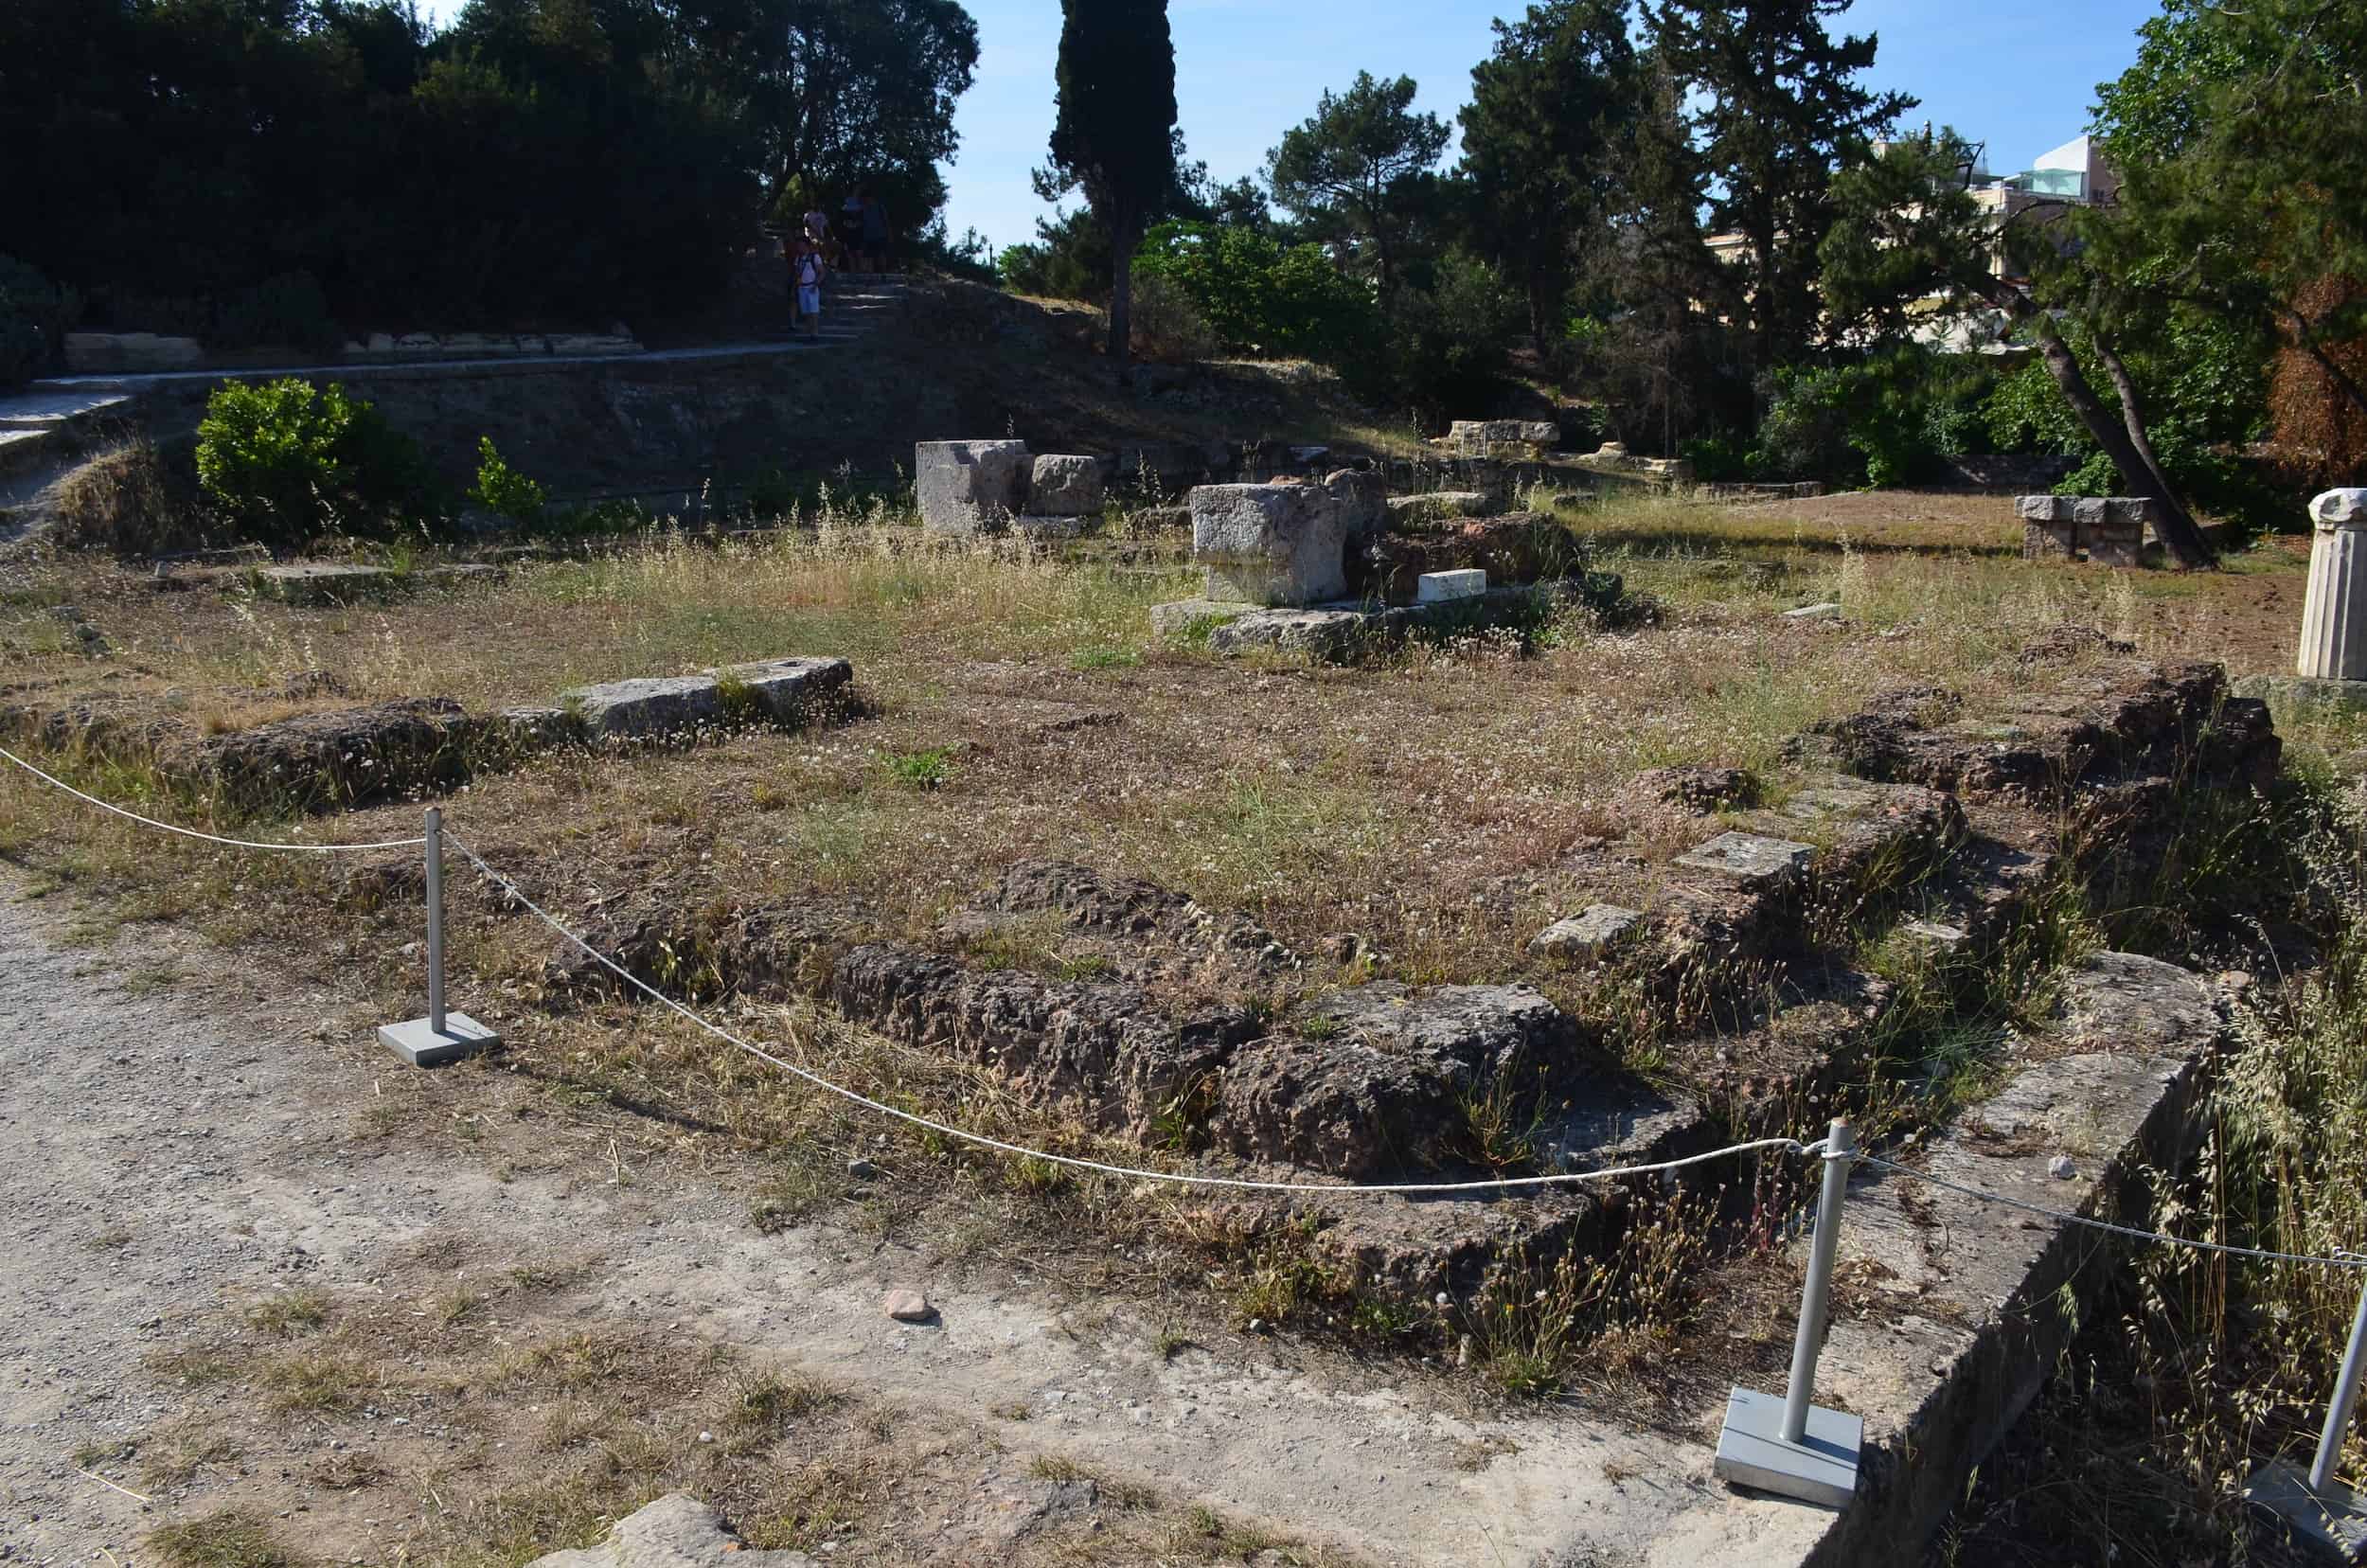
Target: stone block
x: 1274, y: 545
x: 323, y: 584
x: 2048, y: 541
x: 1750, y: 857
x: 1437, y: 587
x: 534, y: 729
x: 1181, y: 618
x: 784, y: 690
x: 647, y: 708
x: 1066, y: 486
x: 2043, y: 509
x: 1827, y: 610
x: 1028, y: 526
x: 963, y: 486
x: 1936, y: 933
x: 1585, y: 937
x: 1323, y: 634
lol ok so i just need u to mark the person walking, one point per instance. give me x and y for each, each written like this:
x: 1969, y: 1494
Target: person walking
x: 808, y: 268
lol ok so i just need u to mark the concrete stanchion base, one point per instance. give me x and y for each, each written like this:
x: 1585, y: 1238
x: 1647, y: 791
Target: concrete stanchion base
x: 2334, y: 1521
x: 421, y: 1047
x: 1822, y: 1467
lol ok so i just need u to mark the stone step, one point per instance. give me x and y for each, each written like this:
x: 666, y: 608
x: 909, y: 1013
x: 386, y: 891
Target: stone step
x: 48, y: 408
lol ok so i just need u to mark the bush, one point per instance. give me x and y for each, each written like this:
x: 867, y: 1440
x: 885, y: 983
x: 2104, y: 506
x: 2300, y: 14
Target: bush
x: 34, y: 315
x: 1886, y: 421
x: 1167, y: 323
x: 129, y: 500
x: 1438, y: 352
x: 501, y: 490
x: 285, y: 462
x: 1257, y: 297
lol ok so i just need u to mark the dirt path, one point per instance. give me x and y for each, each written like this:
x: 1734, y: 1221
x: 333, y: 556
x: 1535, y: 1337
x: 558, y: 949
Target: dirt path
x: 171, y: 1143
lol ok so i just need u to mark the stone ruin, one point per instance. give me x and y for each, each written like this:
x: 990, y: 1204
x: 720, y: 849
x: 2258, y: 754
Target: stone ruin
x: 2110, y: 530
x: 1153, y: 1019
x: 346, y: 758
x: 1331, y: 567
x: 967, y: 487
x: 1509, y: 440
x: 1614, y: 456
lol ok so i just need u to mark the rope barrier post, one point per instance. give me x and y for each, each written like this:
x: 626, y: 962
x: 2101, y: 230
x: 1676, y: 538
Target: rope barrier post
x: 2317, y: 1506
x: 441, y: 1036
x: 1791, y: 1446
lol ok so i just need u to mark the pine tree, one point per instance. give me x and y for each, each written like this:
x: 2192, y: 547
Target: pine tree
x: 1114, y: 137
x: 1548, y: 130
x: 1784, y: 112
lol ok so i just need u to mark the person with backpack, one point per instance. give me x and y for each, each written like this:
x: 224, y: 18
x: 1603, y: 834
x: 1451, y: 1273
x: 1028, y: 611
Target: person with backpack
x: 806, y: 271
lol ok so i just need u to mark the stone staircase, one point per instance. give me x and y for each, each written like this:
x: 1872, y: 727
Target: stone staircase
x: 856, y: 304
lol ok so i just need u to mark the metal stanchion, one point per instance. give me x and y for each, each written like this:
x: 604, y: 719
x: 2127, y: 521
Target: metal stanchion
x: 440, y: 1036
x: 1792, y: 1445
x: 2316, y: 1505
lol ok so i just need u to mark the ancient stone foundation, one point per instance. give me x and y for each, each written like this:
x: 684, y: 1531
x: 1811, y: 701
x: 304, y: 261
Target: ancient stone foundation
x: 965, y: 488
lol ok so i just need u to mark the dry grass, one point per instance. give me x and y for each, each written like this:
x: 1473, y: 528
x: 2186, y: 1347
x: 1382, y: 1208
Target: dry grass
x: 1436, y: 806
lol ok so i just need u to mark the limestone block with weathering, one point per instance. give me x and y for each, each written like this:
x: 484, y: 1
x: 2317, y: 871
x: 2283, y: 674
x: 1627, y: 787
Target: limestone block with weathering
x: 323, y: 584
x: 1275, y: 544
x: 785, y: 689
x: 1750, y: 857
x: 1585, y: 937
x: 963, y: 486
x: 1063, y: 484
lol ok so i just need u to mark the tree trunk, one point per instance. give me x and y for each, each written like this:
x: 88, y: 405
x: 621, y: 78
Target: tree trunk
x: 2309, y: 340
x: 2184, y: 542
x: 2175, y: 523
x: 1124, y: 237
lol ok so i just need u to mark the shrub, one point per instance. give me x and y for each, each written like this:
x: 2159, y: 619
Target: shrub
x: 1167, y: 323
x: 126, y: 499
x: 501, y: 490
x: 34, y: 315
x: 1257, y: 297
x: 287, y: 461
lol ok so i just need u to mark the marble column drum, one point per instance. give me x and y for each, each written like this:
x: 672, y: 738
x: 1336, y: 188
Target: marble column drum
x: 2334, y: 616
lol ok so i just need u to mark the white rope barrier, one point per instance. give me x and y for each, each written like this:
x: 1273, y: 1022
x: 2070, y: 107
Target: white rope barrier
x: 209, y: 838
x: 1763, y: 1443
x: 1180, y: 1179
x: 2340, y: 1260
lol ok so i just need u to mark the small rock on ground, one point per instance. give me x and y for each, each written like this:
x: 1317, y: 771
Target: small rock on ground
x: 907, y: 1306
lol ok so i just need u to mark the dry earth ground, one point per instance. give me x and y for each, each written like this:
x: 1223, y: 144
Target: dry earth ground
x: 469, y: 1228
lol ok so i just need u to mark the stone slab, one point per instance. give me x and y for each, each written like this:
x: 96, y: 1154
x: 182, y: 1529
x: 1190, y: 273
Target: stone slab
x: 1827, y: 610
x: 1584, y: 936
x: 323, y: 584
x: 1064, y: 485
x: 676, y: 1531
x: 646, y: 708
x: 422, y: 1046
x: 1325, y: 633
x: 21, y: 447
x: 1438, y: 587
x: 2333, y: 1524
x: 1820, y: 1468
x: 1750, y: 857
x: 783, y: 687
x: 1179, y: 617
x: 45, y: 407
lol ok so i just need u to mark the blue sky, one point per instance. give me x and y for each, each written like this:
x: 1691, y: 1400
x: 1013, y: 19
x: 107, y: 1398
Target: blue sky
x: 2019, y: 74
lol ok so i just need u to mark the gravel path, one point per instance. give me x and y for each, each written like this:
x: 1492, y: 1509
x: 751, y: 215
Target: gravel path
x: 168, y: 1145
